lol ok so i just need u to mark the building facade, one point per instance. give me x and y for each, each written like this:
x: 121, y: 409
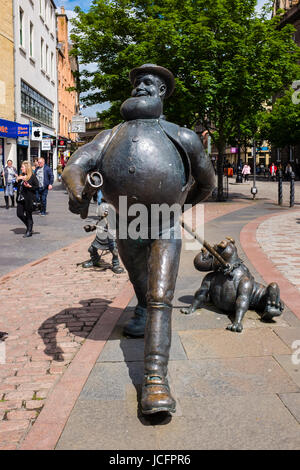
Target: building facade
x: 7, y: 99
x: 36, y: 102
x: 68, y: 103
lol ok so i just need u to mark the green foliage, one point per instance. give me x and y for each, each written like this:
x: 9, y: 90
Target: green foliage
x: 281, y: 126
x: 227, y: 61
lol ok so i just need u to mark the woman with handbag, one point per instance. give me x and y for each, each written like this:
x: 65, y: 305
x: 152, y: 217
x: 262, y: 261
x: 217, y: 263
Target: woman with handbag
x: 27, y: 186
x: 9, y: 177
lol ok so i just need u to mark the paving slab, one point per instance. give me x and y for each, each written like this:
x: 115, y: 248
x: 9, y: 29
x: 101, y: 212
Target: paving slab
x: 254, y: 422
x: 106, y: 425
x: 131, y: 349
x: 292, y: 402
x: 107, y: 381
x: 291, y: 365
x: 230, y: 376
x: 289, y: 335
x: 218, y: 343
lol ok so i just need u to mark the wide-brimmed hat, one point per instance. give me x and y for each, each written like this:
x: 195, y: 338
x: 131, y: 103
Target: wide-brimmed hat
x: 167, y: 76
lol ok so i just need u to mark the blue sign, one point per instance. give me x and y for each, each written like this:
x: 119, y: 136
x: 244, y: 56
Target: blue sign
x: 262, y: 149
x: 23, y: 142
x: 13, y: 130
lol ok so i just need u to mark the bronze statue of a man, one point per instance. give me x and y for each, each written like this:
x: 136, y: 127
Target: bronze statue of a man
x: 150, y: 161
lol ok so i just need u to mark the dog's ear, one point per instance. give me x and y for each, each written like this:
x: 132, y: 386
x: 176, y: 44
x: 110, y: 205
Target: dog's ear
x: 232, y: 240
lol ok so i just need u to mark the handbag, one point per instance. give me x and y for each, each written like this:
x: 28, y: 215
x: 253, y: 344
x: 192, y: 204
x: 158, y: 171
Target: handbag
x: 20, y: 198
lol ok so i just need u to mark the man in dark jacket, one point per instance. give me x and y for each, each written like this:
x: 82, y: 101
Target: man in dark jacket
x: 45, y: 178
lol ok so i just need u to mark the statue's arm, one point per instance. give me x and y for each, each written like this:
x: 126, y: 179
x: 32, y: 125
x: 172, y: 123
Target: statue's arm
x: 87, y: 158
x: 201, y: 166
x: 84, y: 160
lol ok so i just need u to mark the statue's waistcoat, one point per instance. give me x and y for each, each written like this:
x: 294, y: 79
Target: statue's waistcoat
x: 146, y: 163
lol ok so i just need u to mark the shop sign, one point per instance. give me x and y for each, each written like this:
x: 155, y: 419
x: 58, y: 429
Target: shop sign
x: 23, y: 142
x: 37, y: 133
x: 46, y: 144
x: 62, y: 143
x: 78, y: 124
x: 13, y: 129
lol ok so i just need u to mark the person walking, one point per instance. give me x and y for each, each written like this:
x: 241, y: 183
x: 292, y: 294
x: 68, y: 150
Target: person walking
x: 27, y: 186
x: 273, y: 171
x: 288, y: 172
x: 9, y: 178
x: 45, y: 178
x: 246, y: 172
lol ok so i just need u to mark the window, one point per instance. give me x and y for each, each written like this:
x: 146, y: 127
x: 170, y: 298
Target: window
x: 52, y: 66
x: 42, y: 54
x: 52, y: 20
x: 47, y: 59
x: 36, y: 105
x: 31, y: 40
x: 21, y: 18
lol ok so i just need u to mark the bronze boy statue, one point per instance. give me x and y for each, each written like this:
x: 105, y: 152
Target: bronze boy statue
x: 150, y: 161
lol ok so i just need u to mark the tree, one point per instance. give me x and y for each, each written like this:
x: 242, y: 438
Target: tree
x: 281, y: 125
x: 226, y: 61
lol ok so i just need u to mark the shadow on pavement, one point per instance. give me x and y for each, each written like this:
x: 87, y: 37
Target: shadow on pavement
x: 78, y: 321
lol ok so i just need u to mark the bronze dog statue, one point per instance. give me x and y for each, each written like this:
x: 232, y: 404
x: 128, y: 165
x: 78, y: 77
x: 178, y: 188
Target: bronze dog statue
x: 233, y: 289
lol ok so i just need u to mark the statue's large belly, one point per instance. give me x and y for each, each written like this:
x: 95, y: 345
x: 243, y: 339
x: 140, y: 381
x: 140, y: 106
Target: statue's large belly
x: 142, y: 163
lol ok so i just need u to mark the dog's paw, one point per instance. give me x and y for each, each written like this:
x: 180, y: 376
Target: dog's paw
x: 186, y: 310
x: 237, y: 327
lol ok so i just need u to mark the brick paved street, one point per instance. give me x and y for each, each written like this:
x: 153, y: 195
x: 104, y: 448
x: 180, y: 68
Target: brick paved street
x: 279, y: 238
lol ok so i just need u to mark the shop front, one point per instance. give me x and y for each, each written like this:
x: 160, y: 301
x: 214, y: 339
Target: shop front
x: 13, y: 137
x: 43, y: 144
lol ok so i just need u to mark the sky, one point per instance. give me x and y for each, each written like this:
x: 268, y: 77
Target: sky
x: 84, y: 5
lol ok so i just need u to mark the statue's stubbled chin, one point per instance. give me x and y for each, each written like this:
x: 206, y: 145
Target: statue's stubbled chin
x: 143, y: 107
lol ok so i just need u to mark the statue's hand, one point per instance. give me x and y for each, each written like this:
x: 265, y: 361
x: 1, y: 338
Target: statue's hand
x: 74, y: 178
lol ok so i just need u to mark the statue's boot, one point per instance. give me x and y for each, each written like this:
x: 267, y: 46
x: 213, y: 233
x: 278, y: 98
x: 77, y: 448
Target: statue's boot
x: 12, y: 198
x: 95, y: 258
x: 156, y: 396
x: 136, y: 325
x: 6, y: 202
x: 116, y: 268
x: 90, y: 263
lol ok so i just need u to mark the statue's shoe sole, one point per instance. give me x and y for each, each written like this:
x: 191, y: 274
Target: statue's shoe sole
x: 159, y: 410
x: 133, y: 335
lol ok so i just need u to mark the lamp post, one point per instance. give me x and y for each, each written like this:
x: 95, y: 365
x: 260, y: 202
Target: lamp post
x: 254, y: 188
x: 239, y: 177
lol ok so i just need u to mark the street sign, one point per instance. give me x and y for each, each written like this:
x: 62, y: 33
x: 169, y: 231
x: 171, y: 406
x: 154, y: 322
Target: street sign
x: 78, y: 124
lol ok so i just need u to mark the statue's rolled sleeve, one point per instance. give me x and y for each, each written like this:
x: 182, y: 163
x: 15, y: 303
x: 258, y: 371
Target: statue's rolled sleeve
x: 201, y: 166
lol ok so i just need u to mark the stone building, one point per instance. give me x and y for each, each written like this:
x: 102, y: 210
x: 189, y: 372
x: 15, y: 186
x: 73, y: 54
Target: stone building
x: 7, y: 100
x: 67, y: 66
x: 36, y: 78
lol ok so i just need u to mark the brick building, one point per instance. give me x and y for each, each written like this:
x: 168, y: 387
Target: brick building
x: 67, y: 65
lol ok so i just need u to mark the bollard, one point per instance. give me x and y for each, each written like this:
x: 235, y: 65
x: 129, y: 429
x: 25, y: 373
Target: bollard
x: 292, y: 190
x: 280, y: 187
